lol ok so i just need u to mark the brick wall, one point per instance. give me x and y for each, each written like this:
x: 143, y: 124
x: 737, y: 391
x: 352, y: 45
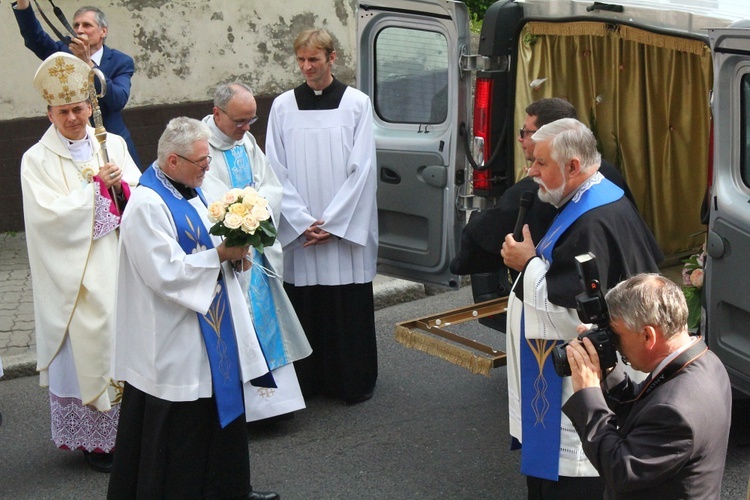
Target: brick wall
x: 146, y: 125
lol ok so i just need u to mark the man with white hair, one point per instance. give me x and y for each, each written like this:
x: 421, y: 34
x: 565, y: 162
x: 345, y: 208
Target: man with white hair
x: 184, y: 345
x: 593, y: 216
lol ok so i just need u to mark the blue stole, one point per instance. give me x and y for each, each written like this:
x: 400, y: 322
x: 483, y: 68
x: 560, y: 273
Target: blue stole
x: 541, y: 400
x: 261, y: 299
x: 239, y: 167
x: 216, y: 325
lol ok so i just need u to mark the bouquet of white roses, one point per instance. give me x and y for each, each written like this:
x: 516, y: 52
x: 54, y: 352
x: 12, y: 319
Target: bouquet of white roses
x: 241, y: 216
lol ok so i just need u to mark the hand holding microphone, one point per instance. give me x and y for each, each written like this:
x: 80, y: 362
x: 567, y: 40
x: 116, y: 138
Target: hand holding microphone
x: 518, y: 247
x: 527, y: 198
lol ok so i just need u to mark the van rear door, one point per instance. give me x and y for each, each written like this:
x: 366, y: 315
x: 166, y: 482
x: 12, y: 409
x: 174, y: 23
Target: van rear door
x: 408, y: 63
x: 727, y: 286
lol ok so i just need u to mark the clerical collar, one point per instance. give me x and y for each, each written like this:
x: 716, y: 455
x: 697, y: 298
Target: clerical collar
x: 329, y: 98
x: 79, y: 149
x: 594, y: 179
x: 186, y: 191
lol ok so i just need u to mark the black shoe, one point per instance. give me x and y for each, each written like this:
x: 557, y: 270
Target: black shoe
x: 358, y: 399
x: 263, y: 495
x: 100, y: 462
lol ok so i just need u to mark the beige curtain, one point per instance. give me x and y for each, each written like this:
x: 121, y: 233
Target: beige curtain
x: 646, y: 97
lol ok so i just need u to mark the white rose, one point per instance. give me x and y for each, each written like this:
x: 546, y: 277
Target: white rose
x: 216, y: 212
x: 230, y: 197
x: 249, y: 192
x: 232, y: 221
x: 250, y: 224
x: 260, y: 213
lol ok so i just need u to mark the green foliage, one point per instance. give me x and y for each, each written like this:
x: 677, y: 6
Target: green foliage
x: 477, y: 8
x: 264, y: 236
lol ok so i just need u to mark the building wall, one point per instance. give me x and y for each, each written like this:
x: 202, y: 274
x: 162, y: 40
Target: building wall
x: 182, y: 50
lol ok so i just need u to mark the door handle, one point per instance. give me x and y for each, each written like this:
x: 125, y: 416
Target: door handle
x: 389, y: 176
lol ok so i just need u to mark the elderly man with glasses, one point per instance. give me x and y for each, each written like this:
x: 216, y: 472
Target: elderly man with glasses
x: 185, y: 346
x: 484, y: 234
x: 238, y: 163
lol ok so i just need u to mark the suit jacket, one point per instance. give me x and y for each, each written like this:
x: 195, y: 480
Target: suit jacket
x: 118, y: 68
x: 671, y: 443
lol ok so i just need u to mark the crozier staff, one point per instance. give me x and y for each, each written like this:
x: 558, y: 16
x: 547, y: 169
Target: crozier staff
x: 654, y: 439
x: 70, y: 222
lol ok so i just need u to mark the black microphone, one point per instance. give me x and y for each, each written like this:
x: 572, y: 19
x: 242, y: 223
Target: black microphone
x: 527, y: 198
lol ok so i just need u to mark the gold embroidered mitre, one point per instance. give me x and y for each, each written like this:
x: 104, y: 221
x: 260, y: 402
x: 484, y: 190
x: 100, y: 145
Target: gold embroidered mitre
x: 62, y: 79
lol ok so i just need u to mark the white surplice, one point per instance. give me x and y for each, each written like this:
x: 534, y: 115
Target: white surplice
x: 287, y: 397
x: 159, y: 346
x: 325, y: 161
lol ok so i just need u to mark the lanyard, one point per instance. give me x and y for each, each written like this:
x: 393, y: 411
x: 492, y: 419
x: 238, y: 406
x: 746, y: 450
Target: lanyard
x: 653, y: 381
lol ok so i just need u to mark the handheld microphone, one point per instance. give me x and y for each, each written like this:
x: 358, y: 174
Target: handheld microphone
x: 527, y: 198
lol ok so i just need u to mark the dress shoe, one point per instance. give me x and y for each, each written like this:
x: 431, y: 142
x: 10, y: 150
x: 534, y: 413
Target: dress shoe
x: 100, y: 462
x: 263, y: 495
x: 358, y: 399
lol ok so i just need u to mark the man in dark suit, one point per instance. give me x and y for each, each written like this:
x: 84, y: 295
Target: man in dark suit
x: 91, y: 29
x: 667, y: 436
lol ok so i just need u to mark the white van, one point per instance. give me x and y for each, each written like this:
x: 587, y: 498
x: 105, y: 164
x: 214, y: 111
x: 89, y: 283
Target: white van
x: 664, y: 85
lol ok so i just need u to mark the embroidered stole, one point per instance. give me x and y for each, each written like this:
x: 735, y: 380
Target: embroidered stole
x: 259, y: 293
x: 216, y: 325
x: 239, y: 167
x: 541, y: 387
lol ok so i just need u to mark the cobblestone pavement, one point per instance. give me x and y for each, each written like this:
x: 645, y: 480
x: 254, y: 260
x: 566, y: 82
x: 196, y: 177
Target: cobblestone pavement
x: 17, y: 341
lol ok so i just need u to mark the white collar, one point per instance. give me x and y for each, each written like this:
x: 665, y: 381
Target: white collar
x: 97, y: 56
x: 80, y: 149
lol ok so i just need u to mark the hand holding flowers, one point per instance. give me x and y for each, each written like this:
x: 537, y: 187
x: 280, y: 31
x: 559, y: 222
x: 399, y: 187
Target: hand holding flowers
x: 241, y: 216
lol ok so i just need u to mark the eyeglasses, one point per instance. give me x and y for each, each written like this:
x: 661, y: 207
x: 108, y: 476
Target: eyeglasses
x: 240, y: 123
x: 207, y: 159
x: 522, y: 133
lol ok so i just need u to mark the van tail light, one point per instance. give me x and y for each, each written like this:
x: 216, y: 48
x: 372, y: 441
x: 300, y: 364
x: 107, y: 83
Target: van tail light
x: 483, y: 129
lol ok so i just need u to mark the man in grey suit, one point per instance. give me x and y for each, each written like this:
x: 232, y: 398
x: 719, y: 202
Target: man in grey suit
x: 667, y: 436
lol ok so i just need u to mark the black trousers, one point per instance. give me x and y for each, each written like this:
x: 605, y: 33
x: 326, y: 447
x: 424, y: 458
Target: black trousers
x: 177, y: 450
x: 565, y: 488
x: 339, y: 322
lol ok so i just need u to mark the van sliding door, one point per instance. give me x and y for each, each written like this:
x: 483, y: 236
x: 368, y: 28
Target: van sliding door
x: 408, y: 63
x: 727, y: 286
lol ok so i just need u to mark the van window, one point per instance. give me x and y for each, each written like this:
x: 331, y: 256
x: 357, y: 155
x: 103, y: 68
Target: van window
x: 745, y: 129
x: 411, y: 76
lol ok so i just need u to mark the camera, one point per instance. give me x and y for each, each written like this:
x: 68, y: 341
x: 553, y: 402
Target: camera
x: 592, y: 308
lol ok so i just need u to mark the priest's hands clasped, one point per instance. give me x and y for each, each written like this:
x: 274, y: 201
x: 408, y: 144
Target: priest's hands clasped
x: 314, y: 235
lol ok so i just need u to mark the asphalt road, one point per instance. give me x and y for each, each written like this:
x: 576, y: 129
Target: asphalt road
x: 432, y: 430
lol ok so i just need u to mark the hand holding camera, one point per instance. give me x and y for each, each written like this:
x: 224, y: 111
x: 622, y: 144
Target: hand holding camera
x: 592, y: 308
